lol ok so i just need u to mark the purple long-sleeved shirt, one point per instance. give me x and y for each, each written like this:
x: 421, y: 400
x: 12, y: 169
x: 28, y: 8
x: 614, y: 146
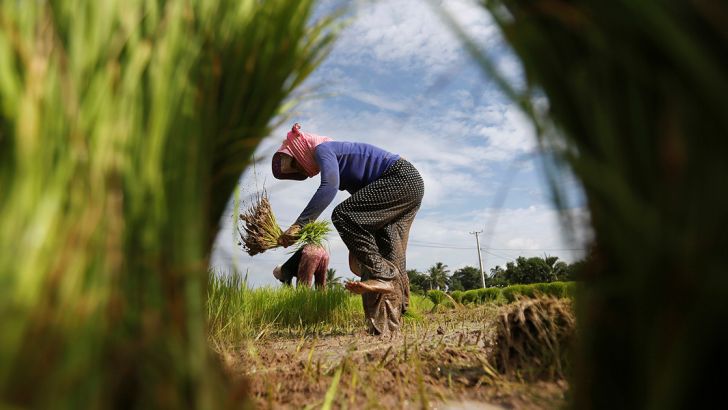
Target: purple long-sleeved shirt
x: 345, y: 166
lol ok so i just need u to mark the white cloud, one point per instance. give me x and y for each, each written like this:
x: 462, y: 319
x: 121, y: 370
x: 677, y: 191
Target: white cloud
x: 408, y: 34
x: 511, y: 136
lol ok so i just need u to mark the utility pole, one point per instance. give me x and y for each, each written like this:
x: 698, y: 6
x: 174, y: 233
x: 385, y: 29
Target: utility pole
x: 480, y: 260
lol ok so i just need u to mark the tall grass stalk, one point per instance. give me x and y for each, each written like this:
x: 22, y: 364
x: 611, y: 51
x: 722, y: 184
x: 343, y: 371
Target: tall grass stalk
x: 124, y: 127
x: 636, y: 106
x: 237, y: 312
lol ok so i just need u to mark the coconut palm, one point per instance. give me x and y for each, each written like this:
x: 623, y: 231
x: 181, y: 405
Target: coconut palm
x: 438, y: 276
x: 331, y: 279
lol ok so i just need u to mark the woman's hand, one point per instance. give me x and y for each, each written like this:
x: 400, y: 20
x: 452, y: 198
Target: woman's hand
x: 290, y: 236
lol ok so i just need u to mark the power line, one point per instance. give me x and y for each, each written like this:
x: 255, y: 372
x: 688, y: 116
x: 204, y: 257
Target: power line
x: 497, y: 255
x: 537, y: 249
x: 441, y: 247
x: 427, y: 244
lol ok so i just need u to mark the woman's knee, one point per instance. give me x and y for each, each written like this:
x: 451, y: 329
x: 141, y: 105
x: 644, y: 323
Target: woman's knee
x: 338, y: 216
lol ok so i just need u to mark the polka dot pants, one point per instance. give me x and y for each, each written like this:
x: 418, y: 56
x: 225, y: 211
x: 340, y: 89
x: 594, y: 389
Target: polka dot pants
x: 374, y: 223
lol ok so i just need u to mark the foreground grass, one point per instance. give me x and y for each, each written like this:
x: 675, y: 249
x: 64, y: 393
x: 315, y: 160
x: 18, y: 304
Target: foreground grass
x: 237, y: 312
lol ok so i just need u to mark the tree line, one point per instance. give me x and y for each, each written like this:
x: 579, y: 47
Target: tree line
x: 522, y: 271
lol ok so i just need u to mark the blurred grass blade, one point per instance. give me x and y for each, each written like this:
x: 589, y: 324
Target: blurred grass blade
x: 124, y: 127
x: 636, y: 95
x: 331, y: 392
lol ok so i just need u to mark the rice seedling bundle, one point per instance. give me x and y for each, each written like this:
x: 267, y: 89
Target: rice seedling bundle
x: 260, y: 229
x: 314, y: 233
x: 534, y: 337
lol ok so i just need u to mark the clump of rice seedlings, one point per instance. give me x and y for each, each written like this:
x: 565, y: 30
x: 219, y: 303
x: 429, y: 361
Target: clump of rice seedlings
x: 314, y: 233
x: 533, y: 338
x: 436, y: 296
x: 237, y: 312
x: 260, y: 230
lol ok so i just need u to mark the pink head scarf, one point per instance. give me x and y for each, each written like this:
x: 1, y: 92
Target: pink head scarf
x: 301, y: 146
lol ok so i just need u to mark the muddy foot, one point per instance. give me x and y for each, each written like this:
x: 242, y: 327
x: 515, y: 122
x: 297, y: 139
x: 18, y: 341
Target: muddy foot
x: 371, y: 285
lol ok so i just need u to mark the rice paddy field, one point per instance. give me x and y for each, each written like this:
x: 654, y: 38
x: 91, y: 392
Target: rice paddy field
x: 125, y: 127
x: 303, y: 348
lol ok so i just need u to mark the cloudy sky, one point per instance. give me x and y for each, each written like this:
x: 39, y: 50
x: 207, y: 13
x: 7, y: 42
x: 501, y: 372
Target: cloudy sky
x: 397, y: 78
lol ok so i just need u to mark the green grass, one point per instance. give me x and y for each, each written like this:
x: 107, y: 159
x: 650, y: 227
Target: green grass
x: 437, y: 297
x: 480, y: 296
x: 513, y: 292
x: 237, y: 312
x: 124, y: 127
x: 458, y: 295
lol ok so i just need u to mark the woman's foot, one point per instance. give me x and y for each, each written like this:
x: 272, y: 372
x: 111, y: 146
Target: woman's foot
x: 370, y: 285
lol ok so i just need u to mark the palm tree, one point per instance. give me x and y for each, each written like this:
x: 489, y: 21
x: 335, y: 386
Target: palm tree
x: 555, y: 266
x: 438, y: 276
x: 331, y: 279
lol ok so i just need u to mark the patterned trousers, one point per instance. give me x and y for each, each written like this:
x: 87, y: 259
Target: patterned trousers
x: 374, y: 223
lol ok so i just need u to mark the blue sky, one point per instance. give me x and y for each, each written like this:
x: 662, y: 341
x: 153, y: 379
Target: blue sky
x: 397, y: 78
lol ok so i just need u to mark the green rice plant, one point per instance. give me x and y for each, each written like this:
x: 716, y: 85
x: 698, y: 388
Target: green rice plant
x: 514, y: 292
x: 458, y: 296
x: 631, y: 96
x: 570, y: 290
x: 437, y: 297
x: 260, y: 230
x: 471, y: 296
x: 124, y: 127
x: 541, y: 288
x: 314, y: 233
x: 418, y: 304
x: 488, y: 295
x: 237, y: 312
x: 556, y: 289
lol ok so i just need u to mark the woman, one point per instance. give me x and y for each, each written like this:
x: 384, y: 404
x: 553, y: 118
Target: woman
x: 374, y: 222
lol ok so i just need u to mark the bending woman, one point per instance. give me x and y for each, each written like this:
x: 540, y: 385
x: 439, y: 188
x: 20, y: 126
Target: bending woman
x: 374, y: 222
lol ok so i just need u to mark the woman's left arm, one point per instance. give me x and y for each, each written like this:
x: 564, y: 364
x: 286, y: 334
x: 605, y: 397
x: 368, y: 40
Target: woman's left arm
x: 326, y: 191
x: 329, y: 166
